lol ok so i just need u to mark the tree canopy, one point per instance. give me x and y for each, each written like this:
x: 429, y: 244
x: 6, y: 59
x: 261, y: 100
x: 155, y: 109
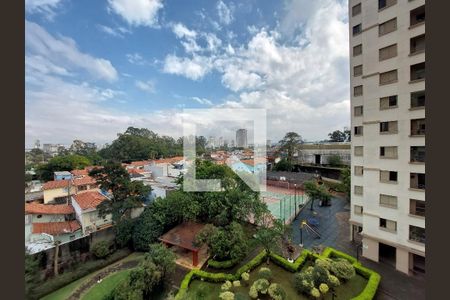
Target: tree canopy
x: 339, y: 136
x: 61, y: 163
x: 140, y: 144
x: 290, y: 144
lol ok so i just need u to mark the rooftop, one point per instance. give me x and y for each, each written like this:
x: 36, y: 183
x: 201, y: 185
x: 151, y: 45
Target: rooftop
x: 84, y: 180
x: 55, y: 184
x: 183, y: 235
x: 55, y: 228
x: 90, y: 199
x: 48, y: 209
x: 62, y: 173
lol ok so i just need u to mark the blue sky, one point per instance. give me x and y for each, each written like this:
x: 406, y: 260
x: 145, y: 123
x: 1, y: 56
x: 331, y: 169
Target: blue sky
x: 93, y: 68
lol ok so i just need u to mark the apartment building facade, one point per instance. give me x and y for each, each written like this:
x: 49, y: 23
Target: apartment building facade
x: 387, y: 64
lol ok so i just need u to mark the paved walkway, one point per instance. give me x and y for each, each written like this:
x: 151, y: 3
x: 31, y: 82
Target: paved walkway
x: 334, y: 229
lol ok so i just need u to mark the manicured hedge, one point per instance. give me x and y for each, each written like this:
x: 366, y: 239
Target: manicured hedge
x: 222, y: 264
x: 367, y: 294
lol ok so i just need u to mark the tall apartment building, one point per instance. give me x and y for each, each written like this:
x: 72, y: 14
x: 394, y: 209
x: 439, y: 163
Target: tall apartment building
x: 387, y: 63
x: 241, y: 138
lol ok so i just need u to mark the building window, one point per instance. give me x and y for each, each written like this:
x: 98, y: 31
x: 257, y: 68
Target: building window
x: 417, y: 16
x: 417, y: 154
x: 388, y: 102
x: 389, y: 127
x: 418, y: 99
x: 417, y: 44
x: 358, y: 171
x: 357, y: 29
x: 358, y: 111
x: 388, y: 224
x: 357, y: 70
x: 357, y: 50
x: 356, y: 10
x: 386, y: 3
x: 417, y: 127
x: 388, y: 176
x: 358, y: 90
x: 358, y: 150
x: 387, y: 27
x: 39, y: 216
x: 418, y: 71
x: 358, y: 189
x: 417, y: 181
x: 358, y: 209
x: 388, y: 200
x: 417, y: 234
x: 388, y: 152
x: 358, y: 130
x: 417, y: 207
x: 387, y: 52
x: 388, y: 77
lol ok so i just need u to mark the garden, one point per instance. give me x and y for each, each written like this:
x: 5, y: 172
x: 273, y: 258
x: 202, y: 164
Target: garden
x: 330, y: 275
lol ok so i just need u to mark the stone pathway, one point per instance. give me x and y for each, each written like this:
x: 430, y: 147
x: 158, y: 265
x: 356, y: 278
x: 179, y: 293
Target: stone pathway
x: 102, y: 274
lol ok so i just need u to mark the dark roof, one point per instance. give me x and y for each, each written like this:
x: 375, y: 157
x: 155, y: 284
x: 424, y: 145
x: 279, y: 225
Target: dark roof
x: 183, y: 235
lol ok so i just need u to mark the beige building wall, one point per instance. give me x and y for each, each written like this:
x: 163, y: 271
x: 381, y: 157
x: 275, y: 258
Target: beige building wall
x: 50, y: 195
x: 371, y: 140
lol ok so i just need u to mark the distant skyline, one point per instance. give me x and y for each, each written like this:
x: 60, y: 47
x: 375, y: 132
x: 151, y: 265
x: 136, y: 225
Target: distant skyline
x: 93, y: 68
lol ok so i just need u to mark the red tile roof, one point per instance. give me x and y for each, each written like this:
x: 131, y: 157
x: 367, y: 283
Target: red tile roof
x: 80, y: 172
x: 48, y: 209
x: 84, y: 180
x: 89, y: 199
x: 136, y: 171
x: 140, y: 163
x: 54, y: 228
x: 55, y: 184
x: 168, y: 160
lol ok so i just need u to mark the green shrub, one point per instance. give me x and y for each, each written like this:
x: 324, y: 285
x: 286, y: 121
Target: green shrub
x: 227, y: 295
x: 226, y: 286
x: 324, y: 263
x: 226, y: 264
x: 277, y: 292
x: 303, y: 282
x: 101, y: 249
x: 265, y: 273
x: 236, y: 283
x: 256, y: 261
x: 261, y: 285
x: 315, y: 293
x: 245, y: 276
x: 253, y: 292
x: 372, y: 285
x: 323, y: 288
x: 342, y: 269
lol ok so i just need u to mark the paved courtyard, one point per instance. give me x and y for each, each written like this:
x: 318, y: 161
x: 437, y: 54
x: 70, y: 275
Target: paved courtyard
x: 334, y: 230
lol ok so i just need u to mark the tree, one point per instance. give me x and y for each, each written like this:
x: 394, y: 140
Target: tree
x: 162, y: 257
x: 334, y: 160
x: 31, y: 273
x: 316, y: 191
x: 61, y: 163
x: 200, y: 145
x: 100, y: 249
x: 126, y: 195
x: 224, y: 243
x: 236, y: 202
x: 348, y: 134
x: 283, y: 165
x: 345, y: 182
x: 270, y: 236
x: 337, y: 136
x: 289, y: 144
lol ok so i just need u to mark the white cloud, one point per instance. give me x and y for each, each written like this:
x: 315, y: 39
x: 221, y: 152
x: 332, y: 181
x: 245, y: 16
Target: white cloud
x: 225, y: 13
x: 63, y: 53
x: 202, y: 100
x: 194, y: 68
x: 136, y: 59
x: 148, y: 86
x: 137, y: 12
x: 182, y: 31
x: 115, y: 32
x: 44, y: 7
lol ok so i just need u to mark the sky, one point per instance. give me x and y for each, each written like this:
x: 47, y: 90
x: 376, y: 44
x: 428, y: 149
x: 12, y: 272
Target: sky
x: 93, y: 68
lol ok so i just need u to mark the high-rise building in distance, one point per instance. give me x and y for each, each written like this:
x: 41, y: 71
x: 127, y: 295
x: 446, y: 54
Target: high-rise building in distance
x: 241, y: 138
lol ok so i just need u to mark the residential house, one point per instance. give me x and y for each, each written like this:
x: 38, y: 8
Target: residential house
x: 62, y: 175
x: 85, y: 205
x: 58, y: 191
x: 47, y: 223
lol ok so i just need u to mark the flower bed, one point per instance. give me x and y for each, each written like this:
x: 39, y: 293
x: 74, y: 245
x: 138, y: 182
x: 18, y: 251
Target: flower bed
x: 367, y: 293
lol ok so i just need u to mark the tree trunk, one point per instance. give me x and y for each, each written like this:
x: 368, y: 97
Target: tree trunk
x: 312, y: 203
x: 55, y: 259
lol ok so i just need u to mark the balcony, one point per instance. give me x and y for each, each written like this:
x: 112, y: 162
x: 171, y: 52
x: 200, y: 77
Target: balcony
x: 417, y: 234
x: 417, y: 208
x: 418, y: 100
x: 418, y: 127
x: 417, y: 154
x: 417, y: 181
x: 417, y: 72
x: 417, y: 44
x: 417, y: 16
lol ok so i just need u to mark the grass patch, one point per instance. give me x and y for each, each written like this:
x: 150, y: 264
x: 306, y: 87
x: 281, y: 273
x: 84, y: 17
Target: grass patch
x: 103, y: 288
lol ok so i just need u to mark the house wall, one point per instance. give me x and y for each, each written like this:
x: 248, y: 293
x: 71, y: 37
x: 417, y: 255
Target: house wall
x: 50, y: 195
x: 90, y: 220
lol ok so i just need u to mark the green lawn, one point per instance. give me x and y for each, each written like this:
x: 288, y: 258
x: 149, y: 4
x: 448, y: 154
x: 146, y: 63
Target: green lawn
x: 201, y: 290
x: 64, y: 292
x: 98, y: 291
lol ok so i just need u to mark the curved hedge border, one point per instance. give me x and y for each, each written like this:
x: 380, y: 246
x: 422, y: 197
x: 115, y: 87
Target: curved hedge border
x: 226, y: 264
x: 367, y: 294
